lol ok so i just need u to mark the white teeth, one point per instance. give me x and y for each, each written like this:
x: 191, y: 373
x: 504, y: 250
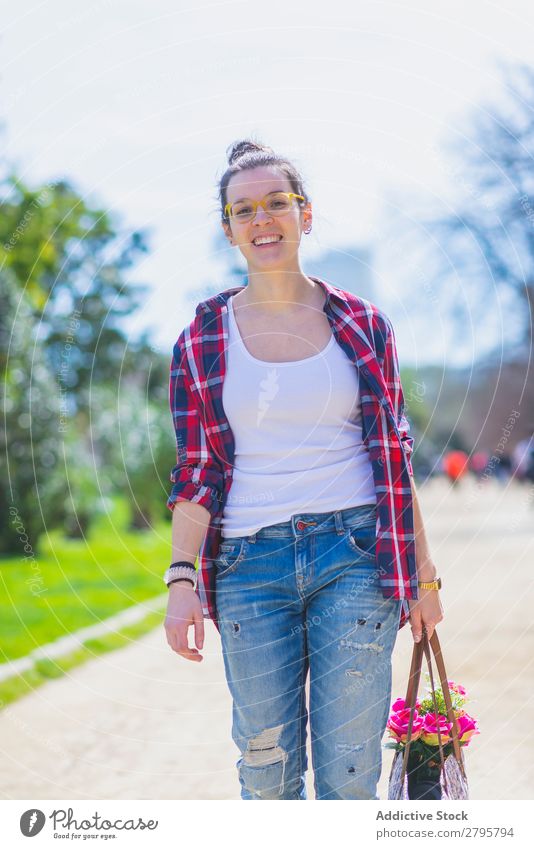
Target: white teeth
x: 261, y: 240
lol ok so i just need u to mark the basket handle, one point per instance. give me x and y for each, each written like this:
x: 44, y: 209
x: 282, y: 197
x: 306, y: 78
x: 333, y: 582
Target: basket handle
x: 411, y: 694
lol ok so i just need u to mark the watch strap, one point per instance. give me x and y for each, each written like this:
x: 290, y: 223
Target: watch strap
x: 430, y: 585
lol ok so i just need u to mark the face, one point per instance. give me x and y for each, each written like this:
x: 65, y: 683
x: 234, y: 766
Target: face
x: 254, y: 184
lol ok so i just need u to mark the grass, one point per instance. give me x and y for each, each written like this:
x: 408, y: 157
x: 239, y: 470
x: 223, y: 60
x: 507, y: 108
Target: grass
x: 81, y: 582
x: 45, y: 670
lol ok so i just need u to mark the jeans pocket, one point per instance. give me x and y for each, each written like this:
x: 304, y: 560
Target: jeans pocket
x: 231, y: 552
x: 362, y: 540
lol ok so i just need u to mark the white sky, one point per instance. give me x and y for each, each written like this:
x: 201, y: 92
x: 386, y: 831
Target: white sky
x: 136, y: 102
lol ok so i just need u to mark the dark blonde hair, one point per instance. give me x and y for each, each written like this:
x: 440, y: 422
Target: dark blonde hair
x: 246, y: 154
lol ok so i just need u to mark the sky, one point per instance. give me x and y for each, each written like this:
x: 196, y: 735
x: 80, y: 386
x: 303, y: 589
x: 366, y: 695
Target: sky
x: 137, y: 102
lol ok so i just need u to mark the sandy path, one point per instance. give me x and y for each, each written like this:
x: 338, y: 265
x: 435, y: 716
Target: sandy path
x: 115, y: 728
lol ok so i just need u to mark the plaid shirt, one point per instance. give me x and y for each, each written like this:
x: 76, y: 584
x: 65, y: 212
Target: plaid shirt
x: 206, y: 449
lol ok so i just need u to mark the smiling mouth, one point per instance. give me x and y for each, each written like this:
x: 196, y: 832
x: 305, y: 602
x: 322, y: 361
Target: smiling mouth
x: 266, y: 244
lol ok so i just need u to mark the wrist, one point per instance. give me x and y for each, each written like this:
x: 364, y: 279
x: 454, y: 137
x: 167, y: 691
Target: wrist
x: 181, y: 570
x: 181, y: 582
x: 426, y: 571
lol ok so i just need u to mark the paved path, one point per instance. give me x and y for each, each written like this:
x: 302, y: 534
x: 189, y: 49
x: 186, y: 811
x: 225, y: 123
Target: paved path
x: 141, y: 723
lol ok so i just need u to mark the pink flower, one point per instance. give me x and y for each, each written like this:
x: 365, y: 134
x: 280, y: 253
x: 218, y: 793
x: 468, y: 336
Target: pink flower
x: 457, y: 688
x: 397, y: 725
x: 400, y: 704
x: 429, y: 731
x: 467, y: 728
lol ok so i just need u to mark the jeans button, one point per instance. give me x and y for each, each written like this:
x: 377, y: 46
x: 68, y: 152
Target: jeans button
x: 301, y: 524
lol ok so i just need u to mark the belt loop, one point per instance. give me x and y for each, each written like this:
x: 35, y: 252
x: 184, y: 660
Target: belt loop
x: 340, y: 527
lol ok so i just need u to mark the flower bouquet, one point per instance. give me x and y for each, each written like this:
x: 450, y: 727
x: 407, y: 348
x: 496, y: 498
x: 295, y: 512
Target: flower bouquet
x: 428, y: 735
x: 424, y: 764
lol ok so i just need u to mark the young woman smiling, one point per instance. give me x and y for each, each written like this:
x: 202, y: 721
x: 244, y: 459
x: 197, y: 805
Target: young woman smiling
x: 294, y: 487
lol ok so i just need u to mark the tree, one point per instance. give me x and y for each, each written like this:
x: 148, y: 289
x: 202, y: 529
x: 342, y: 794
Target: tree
x: 30, y: 497
x: 71, y: 262
x: 490, y: 238
x: 63, y: 268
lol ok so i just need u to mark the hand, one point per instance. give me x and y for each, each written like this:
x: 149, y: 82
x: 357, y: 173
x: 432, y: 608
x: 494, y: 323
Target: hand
x: 427, y: 610
x: 184, y: 609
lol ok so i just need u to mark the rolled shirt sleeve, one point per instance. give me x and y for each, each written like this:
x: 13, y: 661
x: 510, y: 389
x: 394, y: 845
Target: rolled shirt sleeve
x: 197, y: 475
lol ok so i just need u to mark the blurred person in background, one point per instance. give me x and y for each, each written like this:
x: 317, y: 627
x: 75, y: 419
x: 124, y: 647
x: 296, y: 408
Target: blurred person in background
x: 523, y: 459
x: 478, y: 463
x: 455, y: 466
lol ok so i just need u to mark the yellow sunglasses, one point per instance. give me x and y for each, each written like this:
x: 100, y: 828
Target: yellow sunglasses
x: 274, y: 203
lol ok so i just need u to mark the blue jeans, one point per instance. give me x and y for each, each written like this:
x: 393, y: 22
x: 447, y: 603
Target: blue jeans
x: 305, y: 595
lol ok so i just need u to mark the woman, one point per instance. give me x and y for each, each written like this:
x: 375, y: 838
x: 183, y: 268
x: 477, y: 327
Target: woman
x: 309, y: 562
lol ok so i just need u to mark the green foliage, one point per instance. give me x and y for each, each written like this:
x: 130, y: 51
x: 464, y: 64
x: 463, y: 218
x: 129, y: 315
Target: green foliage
x: 78, y: 390
x: 30, y: 449
x: 45, y: 670
x: 71, y: 262
x: 81, y: 582
x: 427, y: 704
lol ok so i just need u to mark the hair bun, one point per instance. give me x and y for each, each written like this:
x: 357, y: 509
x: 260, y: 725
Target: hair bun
x: 246, y: 154
x: 241, y: 148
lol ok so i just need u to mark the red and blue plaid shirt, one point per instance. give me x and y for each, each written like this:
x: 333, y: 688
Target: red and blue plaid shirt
x: 205, y: 443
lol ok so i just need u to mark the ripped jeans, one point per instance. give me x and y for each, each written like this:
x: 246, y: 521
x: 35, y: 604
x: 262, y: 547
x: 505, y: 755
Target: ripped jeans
x: 304, y: 595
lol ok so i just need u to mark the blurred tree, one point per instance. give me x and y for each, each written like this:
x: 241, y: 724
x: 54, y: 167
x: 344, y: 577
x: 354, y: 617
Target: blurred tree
x: 490, y: 238
x: 71, y: 261
x: 63, y: 268
x: 132, y: 439
x: 30, y: 461
x: 233, y: 269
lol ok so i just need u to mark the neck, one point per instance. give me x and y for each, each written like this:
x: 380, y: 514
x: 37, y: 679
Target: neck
x: 282, y: 292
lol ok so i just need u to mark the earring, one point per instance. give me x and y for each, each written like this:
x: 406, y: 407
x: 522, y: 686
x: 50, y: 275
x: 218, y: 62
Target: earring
x: 308, y: 230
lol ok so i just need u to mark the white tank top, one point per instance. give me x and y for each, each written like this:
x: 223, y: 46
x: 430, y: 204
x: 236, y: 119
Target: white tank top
x: 297, y: 428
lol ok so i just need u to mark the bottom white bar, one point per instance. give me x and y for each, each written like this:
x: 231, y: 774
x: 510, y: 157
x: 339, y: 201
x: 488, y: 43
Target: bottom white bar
x: 197, y: 823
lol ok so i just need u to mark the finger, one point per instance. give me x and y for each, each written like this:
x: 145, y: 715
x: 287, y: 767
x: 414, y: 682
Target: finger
x: 198, y: 621
x: 182, y: 646
x: 429, y: 628
x: 190, y: 654
x: 171, y: 640
x: 417, y: 627
x: 170, y: 633
x: 177, y: 640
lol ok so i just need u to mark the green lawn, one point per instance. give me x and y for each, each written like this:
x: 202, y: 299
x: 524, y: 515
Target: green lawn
x: 44, y: 670
x: 83, y: 582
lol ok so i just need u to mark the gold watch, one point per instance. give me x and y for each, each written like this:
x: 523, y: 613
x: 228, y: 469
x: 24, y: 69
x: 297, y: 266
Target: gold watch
x: 430, y: 585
